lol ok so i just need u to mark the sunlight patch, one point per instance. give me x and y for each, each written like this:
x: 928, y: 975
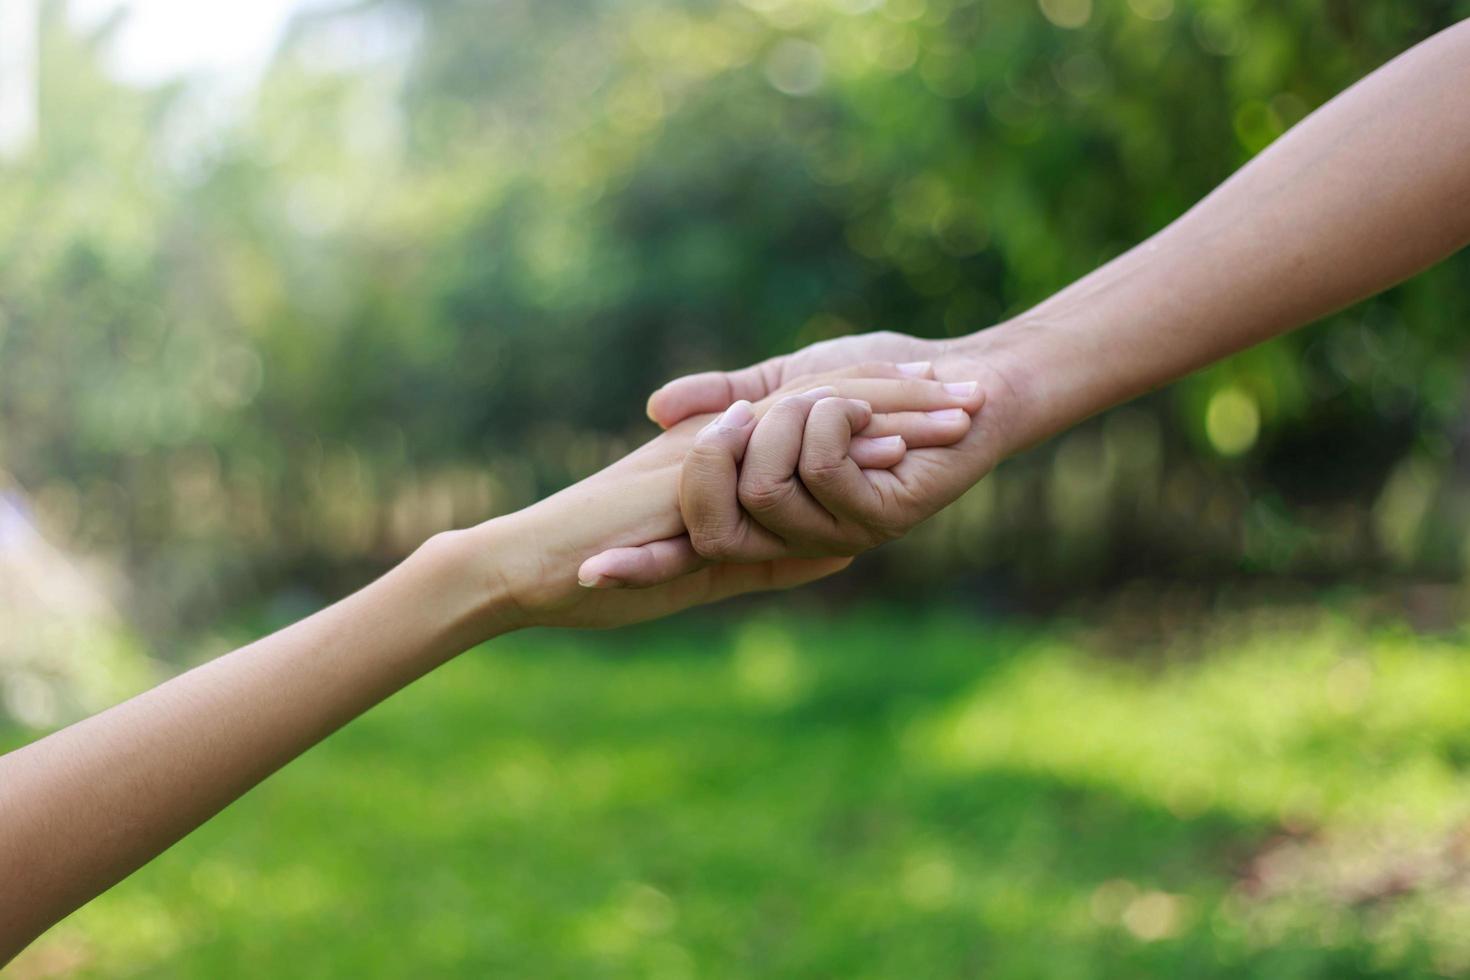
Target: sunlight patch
x: 1285, y: 727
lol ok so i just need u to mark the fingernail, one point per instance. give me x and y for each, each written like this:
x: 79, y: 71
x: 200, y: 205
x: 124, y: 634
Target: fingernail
x: 948, y: 415
x: 866, y: 405
x: 888, y: 442
x: 915, y: 368
x: 826, y: 391
x: 962, y: 389
x: 599, y: 582
x: 737, y: 416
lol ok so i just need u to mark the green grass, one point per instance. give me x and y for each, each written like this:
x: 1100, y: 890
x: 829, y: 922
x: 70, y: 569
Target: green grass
x: 890, y: 795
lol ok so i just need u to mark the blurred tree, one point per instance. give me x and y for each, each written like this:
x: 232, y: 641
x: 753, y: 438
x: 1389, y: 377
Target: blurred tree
x: 437, y: 265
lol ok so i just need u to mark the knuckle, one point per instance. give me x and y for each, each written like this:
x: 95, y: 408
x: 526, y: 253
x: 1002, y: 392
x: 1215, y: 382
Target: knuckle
x: 714, y: 543
x: 822, y: 408
x: 703, y: 454
x: 762, y: 495
x: 821, y: 468
x: 834, y: 410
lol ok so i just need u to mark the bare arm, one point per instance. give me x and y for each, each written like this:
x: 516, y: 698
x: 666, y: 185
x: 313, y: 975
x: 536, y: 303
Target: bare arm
x: 1368, y: 190
x: 1365, y: 192
x: 85, y: 807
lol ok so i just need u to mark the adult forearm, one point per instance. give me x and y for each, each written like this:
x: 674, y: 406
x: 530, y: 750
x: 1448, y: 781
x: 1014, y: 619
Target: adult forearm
x: 1369, y: 190
x: 85, y: 807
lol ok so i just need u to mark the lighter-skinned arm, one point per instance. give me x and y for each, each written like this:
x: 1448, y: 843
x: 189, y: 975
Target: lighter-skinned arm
x: 1368, y: 190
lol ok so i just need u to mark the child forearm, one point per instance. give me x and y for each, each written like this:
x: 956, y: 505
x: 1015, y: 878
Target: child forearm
x: 88, y: 805
x: 85, y: 807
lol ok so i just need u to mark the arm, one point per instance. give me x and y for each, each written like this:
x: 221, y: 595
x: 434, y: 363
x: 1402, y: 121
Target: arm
x: 1365, y: 192
x: 1368, y: 190
x: 85, y: 807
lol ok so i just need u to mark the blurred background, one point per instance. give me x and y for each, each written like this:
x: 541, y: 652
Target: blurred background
x: 285, y: 287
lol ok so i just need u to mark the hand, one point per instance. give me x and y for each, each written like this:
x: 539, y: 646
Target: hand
x: 802, y: 481
x: 636, y: 501
x: 1003, y: 359
x: 930, y: 479
x: 714, y: 391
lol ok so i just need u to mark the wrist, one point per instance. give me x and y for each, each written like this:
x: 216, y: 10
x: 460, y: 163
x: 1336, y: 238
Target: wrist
x: 1056, y: 366
x: 523, y: 566
x: 467, y: 573
x: 1009, y: 362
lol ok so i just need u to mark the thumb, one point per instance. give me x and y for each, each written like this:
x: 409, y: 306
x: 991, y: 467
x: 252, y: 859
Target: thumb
x: 710, y: 471
x: 709, y: 496
x: 712, y: 391
x: 640, y: 567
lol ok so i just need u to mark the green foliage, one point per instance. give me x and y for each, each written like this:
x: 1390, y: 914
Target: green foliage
x: 1276, y: 795
x: 418, y: 286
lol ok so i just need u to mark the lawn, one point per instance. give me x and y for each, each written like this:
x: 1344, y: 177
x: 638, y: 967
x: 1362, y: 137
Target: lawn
x: 759, y: 794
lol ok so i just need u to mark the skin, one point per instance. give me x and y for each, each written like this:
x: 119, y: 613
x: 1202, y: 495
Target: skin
x: 86, y: 806
x: 798, y: 472
x: 1364, y: 193
x: 1367, y: 191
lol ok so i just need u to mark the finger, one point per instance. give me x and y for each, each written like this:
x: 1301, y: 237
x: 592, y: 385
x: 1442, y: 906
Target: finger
x: 775, y: 445
x: 916, y: 369
x: 927, y: 480
x: 708, y: 492
x: 712, y: 391
x: 769, y: 489
x: 910, y: 394
x: 941, y: 427
x: 641, y: 567
x: 827, y: 470
x: 878, y: 454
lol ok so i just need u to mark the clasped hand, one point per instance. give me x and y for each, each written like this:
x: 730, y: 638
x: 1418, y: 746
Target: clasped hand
x: 827, y: 467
